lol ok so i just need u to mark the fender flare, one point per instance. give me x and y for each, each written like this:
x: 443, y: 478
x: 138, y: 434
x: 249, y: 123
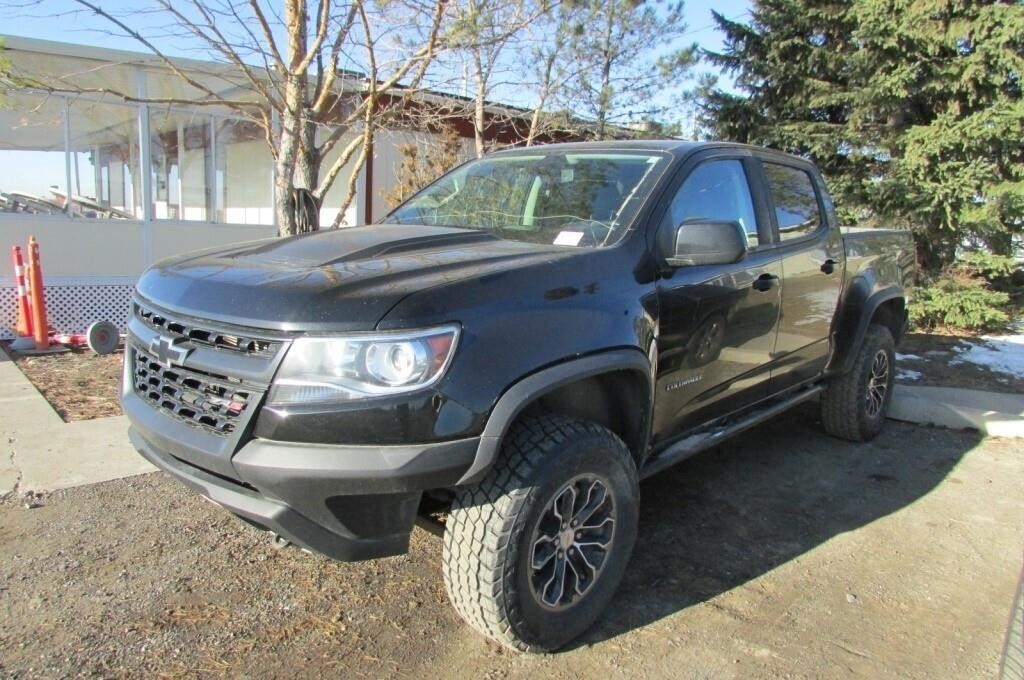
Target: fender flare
x: 846, y: 349
x: 528, y: 389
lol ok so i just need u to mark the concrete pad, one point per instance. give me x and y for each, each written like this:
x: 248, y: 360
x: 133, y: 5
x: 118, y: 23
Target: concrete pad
x: 21, y: 404
x: 991, y: 413
x: 43, y: 453
x: 74, y: 454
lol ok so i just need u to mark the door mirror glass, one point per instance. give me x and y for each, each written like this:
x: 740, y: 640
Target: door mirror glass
x: 708, y: 242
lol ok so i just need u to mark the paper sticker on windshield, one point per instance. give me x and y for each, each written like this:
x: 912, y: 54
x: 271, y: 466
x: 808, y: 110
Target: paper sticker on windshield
x: 568, y: 238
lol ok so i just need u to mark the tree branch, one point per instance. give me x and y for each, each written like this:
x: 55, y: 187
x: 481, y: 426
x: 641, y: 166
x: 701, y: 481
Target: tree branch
x: 322, y: 22
x: 326, y: 85
x: 268, y: 35
x: 151, y: 47
x: 221, y: 45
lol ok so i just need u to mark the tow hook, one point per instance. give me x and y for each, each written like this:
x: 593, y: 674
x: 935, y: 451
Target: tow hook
x: 278, y: 541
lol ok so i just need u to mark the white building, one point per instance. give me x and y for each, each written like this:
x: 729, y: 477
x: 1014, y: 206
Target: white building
x: 108, y: 188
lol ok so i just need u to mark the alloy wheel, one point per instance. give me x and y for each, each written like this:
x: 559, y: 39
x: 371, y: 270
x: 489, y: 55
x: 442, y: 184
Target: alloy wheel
x: 571, y: 542
x: 878, y: 383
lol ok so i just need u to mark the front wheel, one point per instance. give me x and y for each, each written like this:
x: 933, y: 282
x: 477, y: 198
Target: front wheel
x: 854, y: 405
x: 535, y: 551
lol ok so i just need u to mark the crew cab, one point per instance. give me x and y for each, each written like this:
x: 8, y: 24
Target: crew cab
x: 508, y: 353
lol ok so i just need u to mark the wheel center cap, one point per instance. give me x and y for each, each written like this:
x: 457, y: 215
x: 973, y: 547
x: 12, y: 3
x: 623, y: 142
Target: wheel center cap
x: 566, y: 538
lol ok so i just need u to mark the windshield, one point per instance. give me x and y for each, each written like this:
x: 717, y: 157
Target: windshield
x: 557, y: 197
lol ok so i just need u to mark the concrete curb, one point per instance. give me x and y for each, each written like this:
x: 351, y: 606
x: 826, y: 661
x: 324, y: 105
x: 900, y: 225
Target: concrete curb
x: 991, y: 413
x: 45, y: 454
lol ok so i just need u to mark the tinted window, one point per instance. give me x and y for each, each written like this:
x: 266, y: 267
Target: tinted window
x: 716, y: 190
x: 796, y: 203
x: 554, y: 197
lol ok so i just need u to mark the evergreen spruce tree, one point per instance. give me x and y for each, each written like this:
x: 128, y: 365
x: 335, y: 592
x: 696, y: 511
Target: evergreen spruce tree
x: 912, y: 108
x: 941, y: 81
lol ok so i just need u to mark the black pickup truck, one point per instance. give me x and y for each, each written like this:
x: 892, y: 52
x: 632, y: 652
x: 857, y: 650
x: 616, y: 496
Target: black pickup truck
x: 507, y: 354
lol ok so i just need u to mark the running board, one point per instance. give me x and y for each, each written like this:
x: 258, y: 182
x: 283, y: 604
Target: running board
x: 701, y: 441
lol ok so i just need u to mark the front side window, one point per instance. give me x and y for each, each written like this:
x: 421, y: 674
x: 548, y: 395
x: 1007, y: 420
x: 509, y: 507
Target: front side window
x: 555, y: 197
x: 715, y: 191
x: 795, y: 201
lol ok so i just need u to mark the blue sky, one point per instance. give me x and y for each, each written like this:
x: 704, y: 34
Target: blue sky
x: 39, y: 22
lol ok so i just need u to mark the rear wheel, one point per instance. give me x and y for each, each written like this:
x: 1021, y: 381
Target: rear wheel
x: 535, y: 551
x: 854, y: 405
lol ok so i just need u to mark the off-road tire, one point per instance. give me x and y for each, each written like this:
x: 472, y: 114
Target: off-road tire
x: 844, y: 408
x: 489, y: 533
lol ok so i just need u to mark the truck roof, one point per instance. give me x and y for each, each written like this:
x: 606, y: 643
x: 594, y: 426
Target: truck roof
x: 676, y: 147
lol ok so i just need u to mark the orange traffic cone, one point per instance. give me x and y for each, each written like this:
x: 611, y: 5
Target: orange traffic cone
x: 23, y: 330
x: 37, y: 304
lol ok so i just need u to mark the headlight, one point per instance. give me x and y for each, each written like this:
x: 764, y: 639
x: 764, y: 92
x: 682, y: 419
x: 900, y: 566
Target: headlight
x: 359, y: 366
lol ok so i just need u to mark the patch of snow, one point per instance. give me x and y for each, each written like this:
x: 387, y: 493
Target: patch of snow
x: 1000, y: 353
x: 909, y: 357
x: 907, y: 374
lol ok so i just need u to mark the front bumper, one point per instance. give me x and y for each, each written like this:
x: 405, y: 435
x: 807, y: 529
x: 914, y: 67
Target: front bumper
x: 346, y: 502
x: 349, y: 502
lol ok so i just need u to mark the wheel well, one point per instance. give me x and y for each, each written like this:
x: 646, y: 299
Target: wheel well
x: 617, y: 400
x: 892, y: 315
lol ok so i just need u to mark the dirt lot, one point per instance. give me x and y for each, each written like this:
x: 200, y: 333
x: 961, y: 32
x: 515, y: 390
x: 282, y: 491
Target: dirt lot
x: 79, y: 384
x: 781, y: 554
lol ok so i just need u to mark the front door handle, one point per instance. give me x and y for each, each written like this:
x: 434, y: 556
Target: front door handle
x: 828, y: 266
x: 765, y: 282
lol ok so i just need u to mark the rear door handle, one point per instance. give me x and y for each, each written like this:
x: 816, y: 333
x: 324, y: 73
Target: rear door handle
x: 765, y: 282
x: 828, y: 266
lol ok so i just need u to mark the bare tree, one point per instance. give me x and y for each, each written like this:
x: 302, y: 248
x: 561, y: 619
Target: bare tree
x: 287, y: 65
x: 619, y: 70
x: 550, y: 68
x: 423, y: 161
x: 488, y: 38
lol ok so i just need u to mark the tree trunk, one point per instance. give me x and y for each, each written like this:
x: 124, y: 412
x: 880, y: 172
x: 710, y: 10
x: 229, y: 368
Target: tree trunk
x: 292, y: 128
x: 934, y: 252
x: 534, y: 126
x: 604, y: 101
x: 478, y: 125
x: 479, y: 119
x: 306, y: 178
x: 284, y: 206
x: 542, y: 100
x: 284, y: 178
x: 307, y: 157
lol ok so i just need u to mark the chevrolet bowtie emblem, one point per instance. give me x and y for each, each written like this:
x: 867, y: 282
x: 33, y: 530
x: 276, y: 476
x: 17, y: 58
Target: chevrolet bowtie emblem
x: 167, y: 352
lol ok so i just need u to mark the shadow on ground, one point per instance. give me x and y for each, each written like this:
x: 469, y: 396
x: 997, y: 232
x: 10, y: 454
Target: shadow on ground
x: 727, y: 516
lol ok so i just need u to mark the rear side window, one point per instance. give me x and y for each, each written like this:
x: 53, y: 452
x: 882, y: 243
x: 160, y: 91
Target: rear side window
x: 795, y: 201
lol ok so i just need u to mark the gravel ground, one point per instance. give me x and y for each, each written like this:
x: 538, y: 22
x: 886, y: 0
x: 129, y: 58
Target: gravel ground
x: 781, y: 554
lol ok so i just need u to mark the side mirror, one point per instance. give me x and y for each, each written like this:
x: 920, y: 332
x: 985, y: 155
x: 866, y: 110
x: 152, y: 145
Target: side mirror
x: 708, y: 242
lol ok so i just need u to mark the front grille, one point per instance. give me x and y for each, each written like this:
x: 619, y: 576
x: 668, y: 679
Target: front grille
x: 176, y: 328
x: 211, y: 402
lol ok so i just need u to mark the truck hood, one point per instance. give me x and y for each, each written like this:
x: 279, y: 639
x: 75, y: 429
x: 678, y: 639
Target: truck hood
x: 344, y: 279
